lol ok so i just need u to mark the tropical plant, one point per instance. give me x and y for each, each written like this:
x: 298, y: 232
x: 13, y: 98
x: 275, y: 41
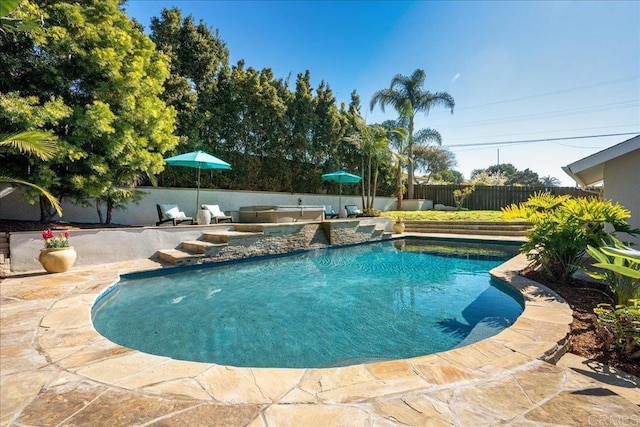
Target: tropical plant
x: 10, y: 24
x: 397, y: 149
x: 619, y: 266
x: 407, y: 95
x: 39, y: 144
x: 373, y: 141
x: 550, y: 181
x: 563, y: 227
x: 619, y: 326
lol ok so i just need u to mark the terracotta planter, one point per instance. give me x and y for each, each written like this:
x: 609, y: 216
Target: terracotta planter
x: 398, y: 227
x: 57, y: 260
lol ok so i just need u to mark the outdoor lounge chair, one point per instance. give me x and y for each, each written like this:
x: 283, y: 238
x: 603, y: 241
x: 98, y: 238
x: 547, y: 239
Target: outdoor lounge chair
x: 329, y: 213
x: 352, y: 210
x: 217, y: 216
x: 171, y: 212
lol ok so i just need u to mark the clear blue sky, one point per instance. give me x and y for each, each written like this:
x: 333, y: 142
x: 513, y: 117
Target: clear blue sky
x: 517, y: 70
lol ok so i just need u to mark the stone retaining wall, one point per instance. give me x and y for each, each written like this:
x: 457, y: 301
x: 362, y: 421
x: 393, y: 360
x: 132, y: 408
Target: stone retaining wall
x: 5, y: 266
x: 275, y: 240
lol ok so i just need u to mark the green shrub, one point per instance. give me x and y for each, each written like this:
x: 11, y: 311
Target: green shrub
x: 619, y: 326
x: 371, y: 212
x: 460, y: 195
x: 619, y: 266
x: 563, y: 226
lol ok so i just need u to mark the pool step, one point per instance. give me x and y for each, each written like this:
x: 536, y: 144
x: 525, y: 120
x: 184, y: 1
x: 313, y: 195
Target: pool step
x: 180, y: 257
x: 199, y: 246
x: 249, y: 228
x: 230, y: 236
x: 511, y: 228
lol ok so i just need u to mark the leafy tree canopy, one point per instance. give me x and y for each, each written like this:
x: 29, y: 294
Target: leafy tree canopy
x: 448, y: 176
x: 94, y: 79
x: 512, y: 175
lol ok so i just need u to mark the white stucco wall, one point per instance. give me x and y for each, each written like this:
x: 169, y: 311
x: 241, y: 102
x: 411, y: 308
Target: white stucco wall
x: 100, y: 246
x: 14, y: 206
x: 622, y: 185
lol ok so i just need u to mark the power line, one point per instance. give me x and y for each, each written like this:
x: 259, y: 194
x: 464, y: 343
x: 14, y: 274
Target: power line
x: 543, y: 131
x: 551, y: 114
x: 528, y: 141
x: 576, y: 146
x: 621, y: 80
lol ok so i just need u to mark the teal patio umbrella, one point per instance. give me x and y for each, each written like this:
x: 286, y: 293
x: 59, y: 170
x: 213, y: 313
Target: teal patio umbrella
x: 198, y: 160
x: 341, y: 177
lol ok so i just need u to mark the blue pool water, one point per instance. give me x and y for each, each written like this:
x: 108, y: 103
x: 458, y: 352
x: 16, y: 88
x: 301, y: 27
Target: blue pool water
x: 323, y: 308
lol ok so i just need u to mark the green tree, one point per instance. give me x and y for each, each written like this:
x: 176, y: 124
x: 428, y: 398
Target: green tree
x: 512, y: 175
x: 525, y: 177
x: 196, y: 57
x: 407, y: 95
x: 449, y: 176
x: 94, y: 58
x: 301, y: 114
x: 507, y: 170
x: 433, y: 160
x: 20, y: 113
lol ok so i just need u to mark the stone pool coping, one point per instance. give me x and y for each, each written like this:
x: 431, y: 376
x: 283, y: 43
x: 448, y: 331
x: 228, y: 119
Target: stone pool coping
x: 503, y: 377
x: 539, y: 333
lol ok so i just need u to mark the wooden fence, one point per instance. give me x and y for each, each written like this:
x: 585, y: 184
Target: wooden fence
x: 489, y: 197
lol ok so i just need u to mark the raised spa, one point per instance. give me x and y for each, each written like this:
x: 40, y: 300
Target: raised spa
x: 334, y: 307
x: 280, y: 214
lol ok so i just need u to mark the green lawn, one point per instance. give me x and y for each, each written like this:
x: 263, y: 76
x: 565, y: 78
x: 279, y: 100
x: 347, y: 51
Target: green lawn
x: 446, y: 215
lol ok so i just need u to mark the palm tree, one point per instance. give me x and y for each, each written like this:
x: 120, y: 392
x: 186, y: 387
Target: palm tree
x: 407, y: 96
x: 397, y: 135
x: 550, y: 181
x: 9, y: 25
x: 373, y: 143
x: 39, y: 144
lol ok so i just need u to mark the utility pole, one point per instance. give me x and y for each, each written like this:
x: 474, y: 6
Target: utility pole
x: 498, y: 159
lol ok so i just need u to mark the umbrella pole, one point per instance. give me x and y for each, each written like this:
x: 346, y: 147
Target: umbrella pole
x: 198, y: 192
x: 340, y: 200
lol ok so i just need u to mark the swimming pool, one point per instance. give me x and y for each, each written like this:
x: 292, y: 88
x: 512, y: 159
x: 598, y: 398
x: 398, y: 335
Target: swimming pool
x: 334, y: 307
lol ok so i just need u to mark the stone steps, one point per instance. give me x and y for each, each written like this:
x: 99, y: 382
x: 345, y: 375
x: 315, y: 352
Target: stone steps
x: 199, y: 246
x: 228, y: 236
x: 248, y: 240
x: 511, y: 228
x: 180, y: 257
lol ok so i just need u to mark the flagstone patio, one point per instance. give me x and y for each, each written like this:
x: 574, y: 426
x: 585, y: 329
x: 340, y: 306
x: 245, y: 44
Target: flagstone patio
x: 55, y: 369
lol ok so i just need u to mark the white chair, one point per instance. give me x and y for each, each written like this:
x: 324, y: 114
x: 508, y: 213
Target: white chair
x: 329, y: 213
x: 217, y: 215
x: 171, y: 213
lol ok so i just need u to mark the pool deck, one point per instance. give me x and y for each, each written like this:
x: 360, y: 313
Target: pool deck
x: 55, y: 370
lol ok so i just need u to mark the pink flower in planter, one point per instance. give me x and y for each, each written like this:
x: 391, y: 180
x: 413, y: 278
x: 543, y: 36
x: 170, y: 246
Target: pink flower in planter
x: 50, y: 241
